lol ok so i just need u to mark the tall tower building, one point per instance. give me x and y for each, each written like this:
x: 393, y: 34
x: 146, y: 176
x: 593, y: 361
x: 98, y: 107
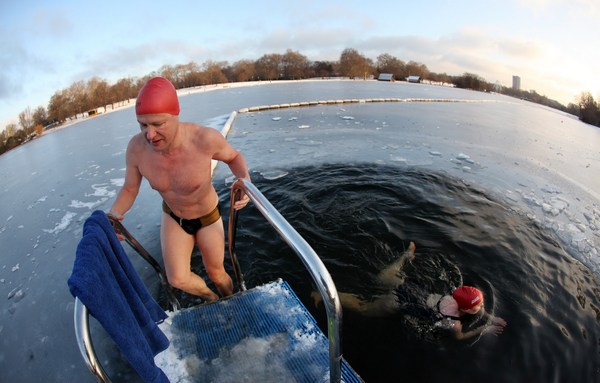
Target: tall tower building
x: 516, y: 83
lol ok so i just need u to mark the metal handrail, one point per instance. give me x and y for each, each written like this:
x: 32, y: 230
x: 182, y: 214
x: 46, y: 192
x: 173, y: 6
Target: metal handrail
x: 84, y: 341
x: 309, y: 257
x: 81, y: 313
x: 119, y: 228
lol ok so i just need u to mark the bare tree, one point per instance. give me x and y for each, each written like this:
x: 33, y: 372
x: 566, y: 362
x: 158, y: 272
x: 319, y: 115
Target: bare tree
x: 40, y: 116
x: 387, y: 63
x: 98, y: 93
x: 588, y: 109
x: 243, y: 70
x: 26, y: 120
x: 268, y: 67
x: 324, y: 68
x: 123, y: 89
x: 188, y: 75
x: 417, y: 69
x: 11, y: 129
x: 294, y: 65
x: 355, y: 65
x: 214, y: 72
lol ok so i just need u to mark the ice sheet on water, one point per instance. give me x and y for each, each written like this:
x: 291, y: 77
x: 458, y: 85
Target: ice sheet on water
x: 90, y: 205
x: 101, y: 190
x: 39, y: 200
x: 217, y: 122
x: 63, y: 224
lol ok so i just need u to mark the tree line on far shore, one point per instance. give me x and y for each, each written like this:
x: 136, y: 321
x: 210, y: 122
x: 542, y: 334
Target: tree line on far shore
x: 88, y: 97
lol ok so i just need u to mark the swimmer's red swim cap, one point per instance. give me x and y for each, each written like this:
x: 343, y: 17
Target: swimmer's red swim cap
x: 157, y: 96
x: 467, y: 297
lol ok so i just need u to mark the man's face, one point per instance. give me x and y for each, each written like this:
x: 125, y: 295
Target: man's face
x: 158, y: 129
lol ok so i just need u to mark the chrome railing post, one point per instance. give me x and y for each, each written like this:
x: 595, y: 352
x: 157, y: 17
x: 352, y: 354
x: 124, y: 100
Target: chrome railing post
x: 311, y: 261
x: 84, y: 341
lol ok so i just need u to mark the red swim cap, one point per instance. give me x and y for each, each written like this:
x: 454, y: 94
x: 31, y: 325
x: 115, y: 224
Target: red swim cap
x: 157, y: 96
x: 467, y: 297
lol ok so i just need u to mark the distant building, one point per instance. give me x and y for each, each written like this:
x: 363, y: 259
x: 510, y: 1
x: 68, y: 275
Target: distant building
x: 413, y: 79
x: 386, y: 77
x: 516, y: 83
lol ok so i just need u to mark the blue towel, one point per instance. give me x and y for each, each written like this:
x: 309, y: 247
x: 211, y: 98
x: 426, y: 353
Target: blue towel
x: 107, y: 284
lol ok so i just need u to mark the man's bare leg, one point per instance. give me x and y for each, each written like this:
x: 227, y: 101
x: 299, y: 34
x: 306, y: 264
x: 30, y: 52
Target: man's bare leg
x: 211, y: 242
x: 177, y: 248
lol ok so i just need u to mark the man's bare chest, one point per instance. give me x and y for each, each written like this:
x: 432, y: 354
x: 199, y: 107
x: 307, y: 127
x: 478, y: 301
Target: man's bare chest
x: 182, y: 176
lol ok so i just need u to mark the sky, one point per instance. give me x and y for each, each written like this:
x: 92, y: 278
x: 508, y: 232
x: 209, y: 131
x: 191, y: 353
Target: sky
x: 45, y: 46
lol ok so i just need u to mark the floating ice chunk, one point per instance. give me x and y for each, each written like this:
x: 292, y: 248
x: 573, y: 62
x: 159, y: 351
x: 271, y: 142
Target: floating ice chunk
x: 559, y: 203
x: 548, y: 209
x: 347, y: 118
x: 80, y: 205
x: 62, y: 225
x: 292, y: 118
x: 15, y: 268
x: 274, y: 174
x: 117, y: 181
x: 9, y: 218
x: 462, y: 156
x: 17, y: 294
x: 550, y: 189
x: 276, y: 118
x: 398, y: 159
x: 434, y: 153
x: 230, y: 180
x: 101, y: 190
x: 303, y: 126
x: 42, y: 199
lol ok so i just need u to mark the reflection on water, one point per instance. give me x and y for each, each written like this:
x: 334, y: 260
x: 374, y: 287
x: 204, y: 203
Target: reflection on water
x: 360, y: 218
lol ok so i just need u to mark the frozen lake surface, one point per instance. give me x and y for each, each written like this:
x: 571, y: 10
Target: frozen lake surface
x: 541, y: 163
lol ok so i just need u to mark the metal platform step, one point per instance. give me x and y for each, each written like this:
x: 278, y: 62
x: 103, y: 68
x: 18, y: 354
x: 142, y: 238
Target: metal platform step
x: 267, y: 329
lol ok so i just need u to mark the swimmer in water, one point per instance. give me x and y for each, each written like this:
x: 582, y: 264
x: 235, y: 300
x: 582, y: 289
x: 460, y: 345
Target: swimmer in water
x: 448, y: 312
x: 466, y: 301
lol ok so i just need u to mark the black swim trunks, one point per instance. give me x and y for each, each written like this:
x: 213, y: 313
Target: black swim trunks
x: 191, y: 226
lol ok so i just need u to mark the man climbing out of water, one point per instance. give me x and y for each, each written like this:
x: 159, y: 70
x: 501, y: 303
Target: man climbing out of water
x: 175, y: 157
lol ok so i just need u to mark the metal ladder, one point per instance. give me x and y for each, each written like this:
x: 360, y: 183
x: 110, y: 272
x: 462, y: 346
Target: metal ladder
x: 310, y: 259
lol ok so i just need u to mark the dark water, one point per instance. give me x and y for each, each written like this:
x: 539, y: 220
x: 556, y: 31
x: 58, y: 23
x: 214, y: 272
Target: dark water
x: 360, y: 218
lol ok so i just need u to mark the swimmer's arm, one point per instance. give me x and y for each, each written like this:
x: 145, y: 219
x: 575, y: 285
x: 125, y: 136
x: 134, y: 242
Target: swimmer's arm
x: 496, y: 321
x: 490, y: 327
